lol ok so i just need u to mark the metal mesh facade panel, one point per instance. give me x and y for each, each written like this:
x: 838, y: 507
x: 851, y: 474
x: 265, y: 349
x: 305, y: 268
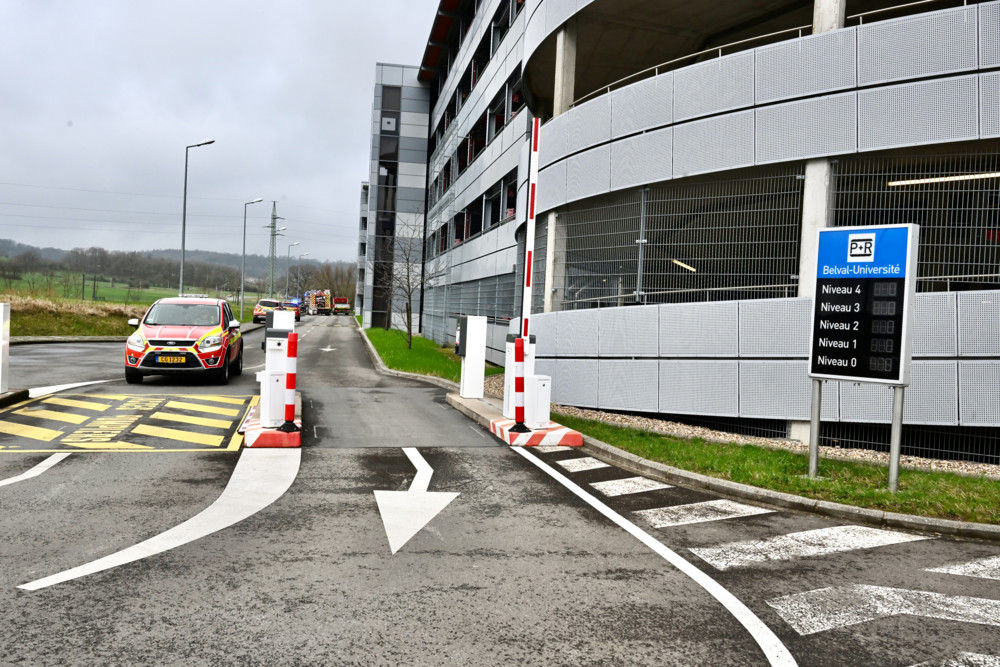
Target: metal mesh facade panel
x: 783, y: 390
x: 807, y: 128
x: 699, y: 329
x: 714, y: 144
x: 989, y: 34
x: 557, y: 12
x: 543, y: 328
x: 643, y: 105
x: 714, y: 86
x: 628, y: 332
x: 629, y: 385
x: 775, y: 327
x: 551, y: 190
x: 700, y: 388
x: 644, y: 158
x: 589, y: 124
x: 552, y: 140
x: 577, y: 334
x: 913, y: 46
x: 931, y: 398
x: 979, y: 324
x: 588, y: 173
x: 979, y: 395
x: 938, y: 111
x: 814, y: 64
x: 989, y: 105
x: 538, y: 264
x: 934, y: 325
x: 576, y: 382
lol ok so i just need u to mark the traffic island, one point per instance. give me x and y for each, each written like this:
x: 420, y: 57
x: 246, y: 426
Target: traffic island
x: 286, y: 435
x: 488, y: 414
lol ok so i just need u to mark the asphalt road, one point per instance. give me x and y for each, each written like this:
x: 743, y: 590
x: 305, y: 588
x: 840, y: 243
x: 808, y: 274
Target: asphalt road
x: 543, y: 557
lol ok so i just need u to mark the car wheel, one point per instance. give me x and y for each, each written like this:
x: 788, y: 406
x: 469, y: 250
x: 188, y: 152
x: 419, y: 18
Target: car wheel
x: 132, y: 376
x: 221, y: 376
x: 238, y: 364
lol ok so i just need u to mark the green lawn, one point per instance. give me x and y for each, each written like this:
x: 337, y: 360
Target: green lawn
x: 426, y: 357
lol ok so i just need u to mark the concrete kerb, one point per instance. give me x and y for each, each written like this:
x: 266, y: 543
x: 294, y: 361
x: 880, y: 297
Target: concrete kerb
x: 483, y: 410
x: 385, y: 370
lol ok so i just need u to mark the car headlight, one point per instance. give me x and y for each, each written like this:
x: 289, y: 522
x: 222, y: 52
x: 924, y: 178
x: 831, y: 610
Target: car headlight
x: 210, y: 343
x: 136, y: 342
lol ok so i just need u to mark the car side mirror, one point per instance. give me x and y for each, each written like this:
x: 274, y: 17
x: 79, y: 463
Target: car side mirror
x: 134, y: 322
x: 234, y: 324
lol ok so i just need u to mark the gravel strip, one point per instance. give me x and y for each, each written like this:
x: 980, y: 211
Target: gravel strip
x: 494, y: 387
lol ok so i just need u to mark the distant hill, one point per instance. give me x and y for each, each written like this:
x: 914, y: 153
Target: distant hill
x: 9, y: 248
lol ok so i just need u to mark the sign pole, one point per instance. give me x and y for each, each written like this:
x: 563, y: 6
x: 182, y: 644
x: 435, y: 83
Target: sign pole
x: 817, y: 401
x: 896, y: 438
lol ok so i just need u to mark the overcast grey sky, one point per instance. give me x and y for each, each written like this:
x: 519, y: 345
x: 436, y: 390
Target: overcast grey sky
x: 98, y: 100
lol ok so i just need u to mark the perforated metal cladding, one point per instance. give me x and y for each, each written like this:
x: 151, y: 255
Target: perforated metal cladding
x: 931, y: 398
x: 556, y: 13
x: 934, y: 325
x: 814, y: 64
x: 551, y: 189
x: 783, y: 390
x: 700, y: 388
x: 544, y: 328
x: 775, y: 327
x: 588, y: 173
x: 588, y: 124
x: 717, y: 85
x: 576, y: 332
x: 575, y: 382
x: 714, y: 144
x: 979, y: 393
x: 552, y: 140
x: 807, y: 128
x: 548, y: 367
x: 989, y: 105
x: 989, y: 34
x: 866, y: 402
x: 918, y: 113
x: 979, y: 324
x: 643, y: 105
x: 699, y: 329
x: 644, y: 158
x: 629, y: 385
x: 631, y: 332
x: 922, y: 45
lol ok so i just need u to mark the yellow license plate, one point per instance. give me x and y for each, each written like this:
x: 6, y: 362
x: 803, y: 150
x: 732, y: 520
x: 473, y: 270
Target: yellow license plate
x: 163, y: 359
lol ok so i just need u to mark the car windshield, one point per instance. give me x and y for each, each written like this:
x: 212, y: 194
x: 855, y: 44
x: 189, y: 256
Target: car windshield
x: 267, y: 304
x: 183, y: 314
x: 290, y: 304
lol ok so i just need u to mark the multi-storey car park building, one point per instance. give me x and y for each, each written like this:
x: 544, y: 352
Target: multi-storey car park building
x: 688, y: 155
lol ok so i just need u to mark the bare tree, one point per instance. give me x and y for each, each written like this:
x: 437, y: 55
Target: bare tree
x: 405, y: 278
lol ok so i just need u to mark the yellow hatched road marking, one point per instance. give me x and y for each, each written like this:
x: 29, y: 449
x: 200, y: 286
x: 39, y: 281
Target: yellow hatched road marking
x: 114, y: 397
x: 84, y: 405
x: 231, y: 400
x: 119, y: 445
x: 175, y: 434
x: 53, y: 415
x: 198, y: 421
x: 210, y: 409
x: 33, y: 432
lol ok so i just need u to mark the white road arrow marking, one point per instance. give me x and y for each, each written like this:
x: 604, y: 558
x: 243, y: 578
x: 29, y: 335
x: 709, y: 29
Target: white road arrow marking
x: 965, y: 660
x: 404, y: 513
x: 328, y: 349
x: 831, y: 608
x: 987, y: 568
x: 260, y: 477
x: 36, y: 471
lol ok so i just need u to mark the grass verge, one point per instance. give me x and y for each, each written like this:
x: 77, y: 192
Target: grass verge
x: 930, y: 494
x: 53, y: 317
x: 426, y: 357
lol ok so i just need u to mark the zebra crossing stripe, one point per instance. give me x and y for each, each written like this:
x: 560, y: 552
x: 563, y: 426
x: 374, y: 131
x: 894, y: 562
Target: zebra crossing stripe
x: 582, y: 464
x: 986, y: 568
x: 622, y: 487
x: 712, y: 510
x: 804, y: 544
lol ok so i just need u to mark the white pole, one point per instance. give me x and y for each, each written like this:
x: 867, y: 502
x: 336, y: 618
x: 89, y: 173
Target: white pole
x: 529, y: 240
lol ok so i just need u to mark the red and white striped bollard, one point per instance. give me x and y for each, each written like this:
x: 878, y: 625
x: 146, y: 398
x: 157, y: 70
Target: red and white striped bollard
x: 519, y: 427
x: 291, y: 353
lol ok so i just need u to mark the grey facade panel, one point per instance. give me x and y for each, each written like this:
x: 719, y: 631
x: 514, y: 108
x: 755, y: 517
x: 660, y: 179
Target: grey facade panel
x: 543, y: 327
x: 979, y: 392
x: 989, y: 105
x: 576, y: 382
x: 989, y: 34
x: 410, y: 194
x: 700, y: 388
x: 415, y: 106
x: 643, y: 105
x: 629, y: 332
x: 931, y: 398
x: 410, y: 206
x: 718, y: 85
x: 577, y: 333
x: 553, y: 138
x: 588, y: 173
x: 644, y: 158
x: 939, y: 42
x: 979, y: 324
x: 775, y: 327
x: 815, y: 64
x: 589, y: 124
x: 699, y: 329
x: 417, y: 156
x: 783, y: 390
x: 912, y: 114
x: 714, y: 144
x: 629, y: 385
x: 935, y: 324
x: 807, y: 128
x: 414, y: 144
x: 551, y: 190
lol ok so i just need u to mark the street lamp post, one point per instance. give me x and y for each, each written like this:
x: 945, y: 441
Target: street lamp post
x: 288, y: 261
x: 243, y: 263
x: 298, y: 273
x: 185, y: 206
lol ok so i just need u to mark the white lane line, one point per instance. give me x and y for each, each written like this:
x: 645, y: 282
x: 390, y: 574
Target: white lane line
x: 623, y: 487
x: 44, y: 391
x: 965, y: 660
x: 832, y: 608
x: 774, y: 650
x: 260, y: 477
x: 551, y: 449
x: 807, y: 543
x: 986, y: 568
x: 35, y: 471
x: 250, y: 368
x: 711, y: 510
x: 582, y: 464
x: 477, y: 430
